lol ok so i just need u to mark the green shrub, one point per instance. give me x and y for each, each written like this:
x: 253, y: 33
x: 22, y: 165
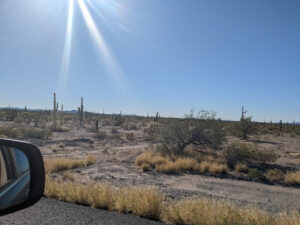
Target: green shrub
x: 177, y: 135
x: 255, y: 173
x: 101, y: 135
x: 130, y: 136
x: 244, y: 153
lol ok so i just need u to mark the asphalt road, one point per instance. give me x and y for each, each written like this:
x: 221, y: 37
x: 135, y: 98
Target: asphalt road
x: 54, y: 212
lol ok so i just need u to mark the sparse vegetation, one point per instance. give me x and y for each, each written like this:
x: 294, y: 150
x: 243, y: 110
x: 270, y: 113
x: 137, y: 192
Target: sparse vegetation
x: 148, y: 202
x: 25, y: 132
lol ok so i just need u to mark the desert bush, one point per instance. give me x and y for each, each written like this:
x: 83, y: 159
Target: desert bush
x: 130, y: 136
x: 116, y: 136
x: 114, y: 131
x: 25, y: 132
x: 178, y: 134
x: 150, y: 133
x: 255, y: 173
x: 101, y: 135
x: 292, y: 178
x: 241, y: 167
x: 130, y: 126
x: 60, y: 129
x: 243, y: 128
x: 245, y: 153
x: 274, y: 175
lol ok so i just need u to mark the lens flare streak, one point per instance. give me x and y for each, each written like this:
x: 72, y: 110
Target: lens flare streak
x: 64, y: 71
x: 102, y: 48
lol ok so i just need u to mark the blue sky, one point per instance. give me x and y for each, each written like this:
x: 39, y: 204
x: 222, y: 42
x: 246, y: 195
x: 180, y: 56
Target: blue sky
x: 142, y: 56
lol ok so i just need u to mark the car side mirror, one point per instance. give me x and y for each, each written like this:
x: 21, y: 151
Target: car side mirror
x: 22, y: 175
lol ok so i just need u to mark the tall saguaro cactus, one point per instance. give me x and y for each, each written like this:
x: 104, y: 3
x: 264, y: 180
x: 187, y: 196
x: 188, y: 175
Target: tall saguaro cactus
x: 81, y: 111
x: 61, y: 114
x: 243, y: 113
x: 55, y: 105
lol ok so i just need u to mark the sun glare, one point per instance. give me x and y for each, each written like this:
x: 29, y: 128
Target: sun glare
x: 104, y: 53
x: 101, y: 46
x: 64, y: 71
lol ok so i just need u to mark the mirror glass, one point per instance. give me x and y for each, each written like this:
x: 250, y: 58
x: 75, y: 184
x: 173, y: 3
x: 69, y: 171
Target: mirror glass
x: 14, y: 177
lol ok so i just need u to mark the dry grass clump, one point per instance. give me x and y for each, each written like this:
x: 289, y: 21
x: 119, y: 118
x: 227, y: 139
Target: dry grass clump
x: 147, y: 202
x: 142, y: 201
x: 171, y: 163
x: 274, y: 175
x: 217, y: 168
x: 59, y: 164
x: 151, y: 158
x: 292, y: 178
x: 180, y: 164
x: 212, y: 212
x: 90, y: 160
x: 241, y: 167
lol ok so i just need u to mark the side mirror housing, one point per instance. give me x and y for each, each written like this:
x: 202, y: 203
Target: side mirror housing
x: 22, y: 175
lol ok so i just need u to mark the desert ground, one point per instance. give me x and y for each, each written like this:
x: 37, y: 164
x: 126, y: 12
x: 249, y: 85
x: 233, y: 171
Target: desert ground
x: 116, y: 154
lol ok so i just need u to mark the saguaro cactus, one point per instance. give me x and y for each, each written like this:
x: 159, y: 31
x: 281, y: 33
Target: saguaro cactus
x: 243, y: 112
x: 280, y: 130
x: 81, y: 111
x: 97, y: 125
x: 61, y: 114
x: 156, y: 117
x: 55, y: 105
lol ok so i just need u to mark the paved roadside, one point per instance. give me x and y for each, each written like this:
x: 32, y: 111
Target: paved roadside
x: 51, y: 211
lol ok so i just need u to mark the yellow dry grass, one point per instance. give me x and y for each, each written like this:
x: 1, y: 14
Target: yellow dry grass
x: 59, y: 164
x: 211, y: 212
x: 142, y: 201
x: 147, y: 202
x: 174, y: 164
x: 274, y: 175
x: 292, y: 178
x: 241, y: 167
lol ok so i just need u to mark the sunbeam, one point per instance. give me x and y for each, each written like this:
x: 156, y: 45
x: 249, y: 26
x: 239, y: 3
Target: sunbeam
x: 99, y: 14
x: 65, y: 65
x: 102, y: 48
